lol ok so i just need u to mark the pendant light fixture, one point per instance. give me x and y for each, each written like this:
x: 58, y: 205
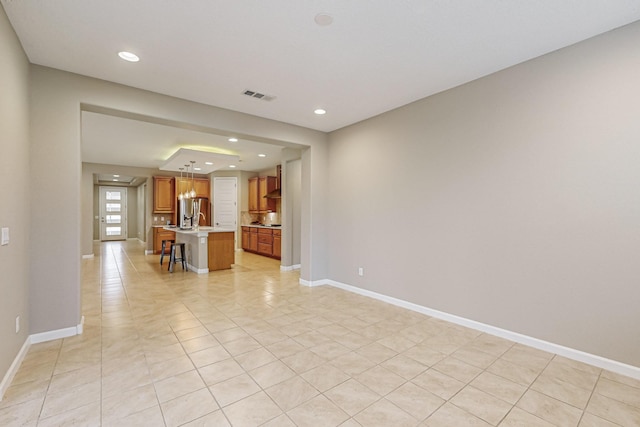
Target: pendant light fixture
x: 180, y: 196
x: 185, y: 195
x: 193, y: 188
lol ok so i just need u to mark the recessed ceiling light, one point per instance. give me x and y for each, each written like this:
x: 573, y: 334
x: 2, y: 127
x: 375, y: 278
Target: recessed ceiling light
x: 208, y: 163
x: 320, y: 111
x: 233, y: 139
x: 116, y: 176
x: 115, y: 179
x: 323, y: 19
x: 262, y: 155
x: 128, y: 56
x: 197, y: 169
x: 232, y: 166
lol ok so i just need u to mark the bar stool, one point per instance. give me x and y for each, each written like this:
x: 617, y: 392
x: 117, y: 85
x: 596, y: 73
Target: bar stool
x: 173, y: 258
x: 164, y: 246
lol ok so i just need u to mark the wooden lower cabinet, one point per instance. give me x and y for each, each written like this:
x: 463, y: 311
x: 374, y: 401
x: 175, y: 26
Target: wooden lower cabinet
x: 160, y: 234
x: 263, y: 241
x: 277, y: 243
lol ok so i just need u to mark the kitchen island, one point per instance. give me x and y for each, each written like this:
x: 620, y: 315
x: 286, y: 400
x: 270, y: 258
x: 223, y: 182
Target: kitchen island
x: 207, y: 248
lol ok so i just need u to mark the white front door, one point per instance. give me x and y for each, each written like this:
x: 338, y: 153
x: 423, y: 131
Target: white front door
x: 225, y: 204
x: 113, y: 213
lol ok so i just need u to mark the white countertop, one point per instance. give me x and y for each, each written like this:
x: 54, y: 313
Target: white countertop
x: 201, y: 231
x: 276, y: 227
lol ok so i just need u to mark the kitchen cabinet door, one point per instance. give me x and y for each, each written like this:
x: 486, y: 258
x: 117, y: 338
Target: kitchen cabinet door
x: 160, y: 234
x: 266, y: 184
x: 253, y: 195
x: 164, y: 199
x: 245, y: 238
x: 253, y: 240
x: 277, y: 244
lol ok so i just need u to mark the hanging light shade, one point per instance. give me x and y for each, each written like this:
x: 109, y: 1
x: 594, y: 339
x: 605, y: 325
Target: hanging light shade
x: 180, y: 196
x: 192, y: 193
x: 185, y: 195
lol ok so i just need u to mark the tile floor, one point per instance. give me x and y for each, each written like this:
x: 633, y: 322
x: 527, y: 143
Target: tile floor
x: 251, y: 347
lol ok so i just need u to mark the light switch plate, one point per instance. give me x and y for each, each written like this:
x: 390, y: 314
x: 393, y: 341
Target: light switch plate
x: 5, y: 236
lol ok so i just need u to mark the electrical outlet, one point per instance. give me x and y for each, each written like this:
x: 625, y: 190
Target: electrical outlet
x: 5, y: 236
x: 17, y: 324
x: 360, y: 271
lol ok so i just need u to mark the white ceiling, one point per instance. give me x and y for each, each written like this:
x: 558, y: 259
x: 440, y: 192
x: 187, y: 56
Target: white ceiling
x: 376, y: 55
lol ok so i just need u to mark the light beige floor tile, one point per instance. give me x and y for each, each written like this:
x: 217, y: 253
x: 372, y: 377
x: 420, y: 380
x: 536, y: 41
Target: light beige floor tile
x: 384, y: 413
x: 380, y: 380
x: 527, y: 357
x: 424, y: 355
x: 285, y: 348
x: 178, y: 385
x: 208, y: 356
x: 619, y: 391
x: 170, y: 368
x: 516, y: 373
x: 621, y: 379
x: 255, y: 359
x: 519, y: 418
x: 291, y: 393
x: 270, y: 337
x: 499, y: 387
x: 404, y: 366
x: 415, y: 400
x: 127, y: 378
x: 376, y: 352
x: 188, y: 334
x: 121, y: 405
x: 199, y: 343
x: 87, y: 415
x: 474, y: 357
x: 162, y: 354
x: 330, y: 350
x: 24, y: 392
x: 281, y: 421
x: 241, y: 346
x: 325, y: 377
x: 549, y: 409
x: 438, y: 383
x: 457, y: 369
x: 613, y: 411
x: 563, y: 391
x: 213, y: 419
x: 318, y: 408
x: 188, y: 407
x: 572, y: 372
x: 352, y: 340
x: 74, y: 378
x: 481, y: 404
x: 21, y: 414
x: 252, y: 411
x: 303, y: 361
x: 397, y: 343
x: 352, y: 363
x: 72, y: 398
x: 311, y: 339
x: 352, y: 396
x: 234, y: 389
x: 271, y: 374
x: 148, y: 417
x: 450, y: 415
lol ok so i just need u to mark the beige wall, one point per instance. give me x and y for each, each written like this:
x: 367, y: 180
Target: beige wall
x: 57, y: 99
x: 513, y: 200
x: 14, y: 202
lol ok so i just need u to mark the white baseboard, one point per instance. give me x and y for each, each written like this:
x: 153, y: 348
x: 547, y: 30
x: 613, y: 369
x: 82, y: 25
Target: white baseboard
x: 194, y: 269
x: 13, y: 369
x: 58, y: 333
x: 570, y: 353
x: 35, y: 339
x: 87, y: 256
x: 148, y: 251
x: 290, y: 267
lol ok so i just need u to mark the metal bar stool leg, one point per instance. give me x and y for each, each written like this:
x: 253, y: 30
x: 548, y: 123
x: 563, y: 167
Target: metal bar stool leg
x: 172, y: 257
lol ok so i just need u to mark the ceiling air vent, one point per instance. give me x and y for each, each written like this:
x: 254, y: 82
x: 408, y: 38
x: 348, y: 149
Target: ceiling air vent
x: 258, y: 95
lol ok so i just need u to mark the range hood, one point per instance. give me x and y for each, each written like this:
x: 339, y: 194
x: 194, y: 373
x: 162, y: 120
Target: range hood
x: 276, y: 194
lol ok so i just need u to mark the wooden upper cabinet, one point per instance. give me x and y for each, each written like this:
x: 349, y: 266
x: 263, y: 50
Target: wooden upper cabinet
x: 266, y: 184
x: 258, y: 187
x: 253, y: 195
x: 201, y: 185
x: 164, y: 196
